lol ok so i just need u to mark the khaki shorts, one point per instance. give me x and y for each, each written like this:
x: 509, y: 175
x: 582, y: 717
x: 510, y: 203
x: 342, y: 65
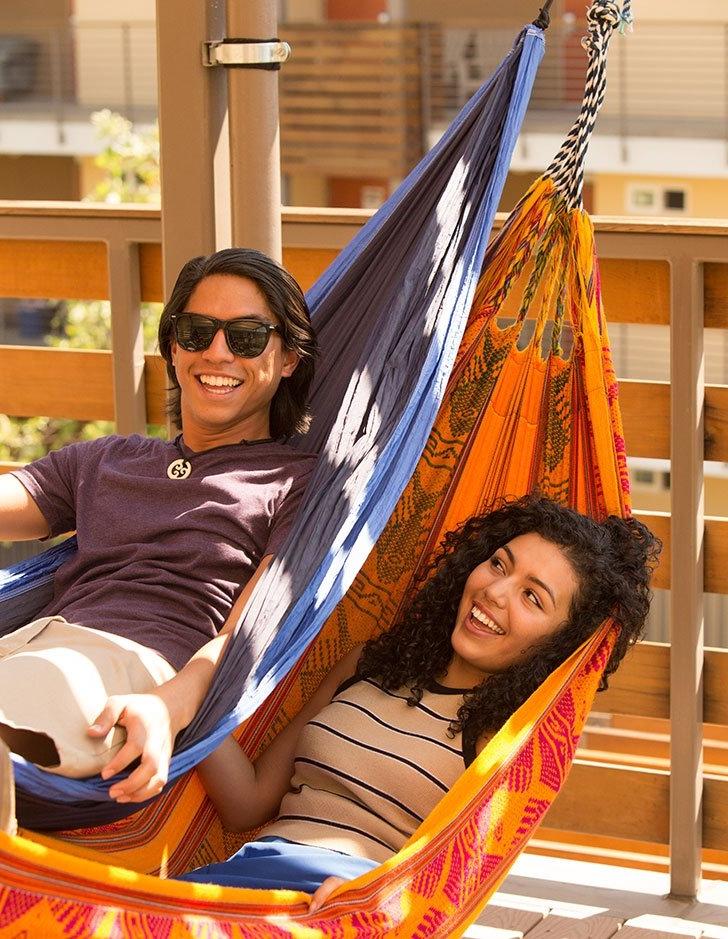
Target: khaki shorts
x: 55, y: 678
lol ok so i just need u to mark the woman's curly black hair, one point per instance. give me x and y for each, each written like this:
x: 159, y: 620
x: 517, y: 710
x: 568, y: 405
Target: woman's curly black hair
x: 612, y: 559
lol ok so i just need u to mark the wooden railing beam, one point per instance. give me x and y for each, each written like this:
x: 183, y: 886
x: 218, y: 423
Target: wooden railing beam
x: 686, y: 604
x: 127, y: 338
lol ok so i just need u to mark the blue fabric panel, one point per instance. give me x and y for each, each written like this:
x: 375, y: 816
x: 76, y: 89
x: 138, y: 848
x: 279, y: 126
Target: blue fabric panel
x: 390, y: 313
x: 277, y: 864
x: 27, y: 587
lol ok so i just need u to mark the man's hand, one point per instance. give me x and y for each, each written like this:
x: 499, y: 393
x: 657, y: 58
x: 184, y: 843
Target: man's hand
x: 149, y: 735
x: 324, y: 892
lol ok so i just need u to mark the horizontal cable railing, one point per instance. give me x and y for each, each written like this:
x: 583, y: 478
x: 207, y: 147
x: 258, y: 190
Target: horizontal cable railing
x: 365, y: 98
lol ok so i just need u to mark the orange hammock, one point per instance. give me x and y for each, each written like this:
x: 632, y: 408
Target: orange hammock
x: 531, y: 404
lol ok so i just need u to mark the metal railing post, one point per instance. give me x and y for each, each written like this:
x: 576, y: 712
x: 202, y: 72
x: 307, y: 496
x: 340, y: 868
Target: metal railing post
x: 57, y: 82
x: 725, y: 90
x: 255, y: 174
x: 128, y: 77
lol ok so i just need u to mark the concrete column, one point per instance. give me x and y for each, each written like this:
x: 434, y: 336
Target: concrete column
x: 255, y: 174
x: 193, y: 133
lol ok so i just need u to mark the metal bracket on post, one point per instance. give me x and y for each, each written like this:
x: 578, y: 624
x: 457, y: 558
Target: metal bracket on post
x: 245, y: 53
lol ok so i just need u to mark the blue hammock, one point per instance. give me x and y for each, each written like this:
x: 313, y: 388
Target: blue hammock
x: 389, y: 313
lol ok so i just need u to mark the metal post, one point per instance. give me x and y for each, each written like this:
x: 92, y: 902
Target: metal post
x: 127, y: 71
x: 57, y: 56
x: 725, y: 90
x: 623, y: 101
x: 686, y: 597
x: 255, y: 172
x: 193, y: 134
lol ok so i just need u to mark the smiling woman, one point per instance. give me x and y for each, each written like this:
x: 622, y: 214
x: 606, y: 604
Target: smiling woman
x: 511, y: 595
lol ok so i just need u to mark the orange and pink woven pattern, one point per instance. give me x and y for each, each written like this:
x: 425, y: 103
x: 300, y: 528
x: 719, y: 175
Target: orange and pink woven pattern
x: 531, y: 404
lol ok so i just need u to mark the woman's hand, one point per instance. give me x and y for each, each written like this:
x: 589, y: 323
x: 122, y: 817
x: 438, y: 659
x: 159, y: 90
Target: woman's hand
x: 324, y: 892
x: 149, y: 735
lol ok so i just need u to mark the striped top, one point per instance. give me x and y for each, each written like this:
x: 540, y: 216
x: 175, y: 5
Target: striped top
x: 370, y: 768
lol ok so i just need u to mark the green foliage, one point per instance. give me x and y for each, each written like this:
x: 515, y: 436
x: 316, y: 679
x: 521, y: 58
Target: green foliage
x: 130, y: 161
x: 23, y: 440
x: 85, y: 324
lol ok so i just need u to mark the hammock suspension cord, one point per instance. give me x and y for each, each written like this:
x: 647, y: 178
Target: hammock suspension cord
x: 567, y: 167
x: 543, y: 20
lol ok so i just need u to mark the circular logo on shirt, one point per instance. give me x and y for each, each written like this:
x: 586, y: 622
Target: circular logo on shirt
x: 179, y: 469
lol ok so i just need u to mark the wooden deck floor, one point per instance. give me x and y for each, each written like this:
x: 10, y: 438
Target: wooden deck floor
x: 549, y: 898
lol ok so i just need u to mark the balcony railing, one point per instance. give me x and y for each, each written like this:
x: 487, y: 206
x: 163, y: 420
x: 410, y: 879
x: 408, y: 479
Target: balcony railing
x: 642, y: 750
x: 363, y: 99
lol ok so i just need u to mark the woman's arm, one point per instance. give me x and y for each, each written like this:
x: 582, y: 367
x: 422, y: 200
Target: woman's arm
x: 248, y: 794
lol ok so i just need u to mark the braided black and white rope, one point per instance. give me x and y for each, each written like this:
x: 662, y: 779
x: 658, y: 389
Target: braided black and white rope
x: 567, y: 167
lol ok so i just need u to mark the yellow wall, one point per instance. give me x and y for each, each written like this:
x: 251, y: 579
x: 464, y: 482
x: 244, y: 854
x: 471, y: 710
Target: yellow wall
x: 706, y: 198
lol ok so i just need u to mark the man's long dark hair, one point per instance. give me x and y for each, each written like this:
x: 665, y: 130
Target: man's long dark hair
x: 613, y: 561
x: 289, y: 412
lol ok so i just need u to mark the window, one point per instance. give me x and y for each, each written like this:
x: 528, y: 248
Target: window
x: 674, y: 200
x: 645, y: 199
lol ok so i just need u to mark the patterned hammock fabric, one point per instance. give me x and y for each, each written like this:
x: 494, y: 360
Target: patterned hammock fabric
x: 531, y: 403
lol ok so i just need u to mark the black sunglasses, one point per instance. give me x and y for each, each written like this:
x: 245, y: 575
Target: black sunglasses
x: 245, y: 337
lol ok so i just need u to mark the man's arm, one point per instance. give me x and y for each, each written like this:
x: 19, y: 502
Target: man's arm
x: 248, y: 794
x: 152, y: 721
x: 20, y: 517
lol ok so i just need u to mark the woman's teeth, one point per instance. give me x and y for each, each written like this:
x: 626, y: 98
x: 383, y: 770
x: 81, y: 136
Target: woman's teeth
x: 486, y: 621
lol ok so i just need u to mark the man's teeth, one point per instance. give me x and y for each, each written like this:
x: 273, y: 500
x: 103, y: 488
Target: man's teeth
x: 484, y: 620
x: 220, y: 381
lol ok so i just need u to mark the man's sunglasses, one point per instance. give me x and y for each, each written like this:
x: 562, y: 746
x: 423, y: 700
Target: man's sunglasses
x: 247, y: 338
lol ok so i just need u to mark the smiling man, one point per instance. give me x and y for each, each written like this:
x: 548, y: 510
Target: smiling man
x: 172, y: 535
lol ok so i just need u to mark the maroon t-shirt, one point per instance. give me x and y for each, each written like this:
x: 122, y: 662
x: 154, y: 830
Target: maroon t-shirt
x: 161, y: 560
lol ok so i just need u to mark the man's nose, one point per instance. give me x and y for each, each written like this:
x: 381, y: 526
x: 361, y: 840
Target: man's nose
x: 218, y: 350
